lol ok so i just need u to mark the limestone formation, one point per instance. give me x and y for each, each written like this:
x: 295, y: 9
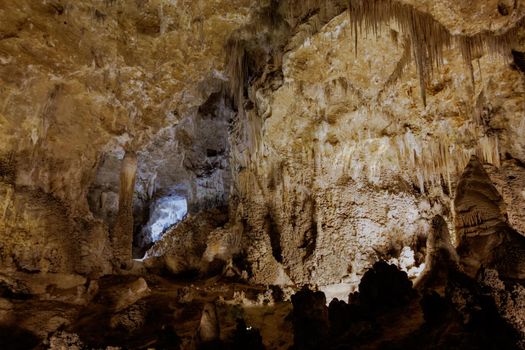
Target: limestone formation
x: 362, y: 140
x: 122, y: 234
x: 188, y: 246
x: 485, y: 238
x: 159, y: 158
x: 128, y: 294
x: 64, y: 340
x: 441, y: 257
x: 209, y: 327
x: 509, y: 298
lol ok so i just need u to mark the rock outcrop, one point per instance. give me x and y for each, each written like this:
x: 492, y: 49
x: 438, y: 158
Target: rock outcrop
x: 441, y: 257
x: 485, y: 238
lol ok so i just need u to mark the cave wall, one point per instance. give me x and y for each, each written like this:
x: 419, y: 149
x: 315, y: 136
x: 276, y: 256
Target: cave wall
x: 188, y: 159
x: 326, y: 151
x: 80, y: 82
x: 350, y: 164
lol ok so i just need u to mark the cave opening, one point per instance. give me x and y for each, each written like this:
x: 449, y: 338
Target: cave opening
x: 184, y: 169
x: 164, y: 212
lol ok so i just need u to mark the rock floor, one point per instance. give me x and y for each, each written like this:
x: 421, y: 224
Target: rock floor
x: 167, y: 317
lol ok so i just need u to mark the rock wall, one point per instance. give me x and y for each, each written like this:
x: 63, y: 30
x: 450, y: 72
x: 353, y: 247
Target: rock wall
x: 346, y: 163
x: 81, y: 81
x: 38, y: 235
x: 189, y: 159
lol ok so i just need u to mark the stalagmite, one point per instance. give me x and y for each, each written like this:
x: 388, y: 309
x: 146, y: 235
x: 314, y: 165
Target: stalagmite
x: 485, y: 239
x: 209, y: 328
x: 122, y: 233
x: 441, y: 257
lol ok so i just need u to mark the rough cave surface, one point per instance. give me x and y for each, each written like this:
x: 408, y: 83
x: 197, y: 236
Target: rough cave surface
x: 275, y: 174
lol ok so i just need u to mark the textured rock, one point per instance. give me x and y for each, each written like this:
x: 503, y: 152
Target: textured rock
x: 67, y: 288
x: 164, y: 213
x: 480, y: 210
x: 510, y: 300
x: 82, y: 81
x: 508, y: 179
x: 130, y: 320
x: 209, y: 327
x: 337, y: 138
x: 369, y: 165
x: 484, y: 236
x: 64, y: 340
x: 128, y: 294
x: 37, y: 235
x: 182, y: 248
x: 441, y: 257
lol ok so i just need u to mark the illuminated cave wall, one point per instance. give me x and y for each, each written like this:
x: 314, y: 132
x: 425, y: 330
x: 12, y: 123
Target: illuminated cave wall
x: 353, y: 140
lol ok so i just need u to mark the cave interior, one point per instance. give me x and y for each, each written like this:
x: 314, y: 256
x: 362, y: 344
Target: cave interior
x: 270, y: 174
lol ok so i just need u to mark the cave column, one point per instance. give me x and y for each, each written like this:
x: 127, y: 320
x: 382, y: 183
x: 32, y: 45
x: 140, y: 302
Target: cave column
x: 122, y: 234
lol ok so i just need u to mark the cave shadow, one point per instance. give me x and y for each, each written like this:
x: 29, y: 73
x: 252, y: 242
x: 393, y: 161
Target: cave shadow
x: 17, y: 338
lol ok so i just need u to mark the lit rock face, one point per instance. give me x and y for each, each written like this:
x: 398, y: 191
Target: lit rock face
x: 182, y: 247
x: 91, y: 68
x: 81, y: 81
x: 351, y: 166
x: 471, y: 17
x: 164, y: 213
x: 189, y: 160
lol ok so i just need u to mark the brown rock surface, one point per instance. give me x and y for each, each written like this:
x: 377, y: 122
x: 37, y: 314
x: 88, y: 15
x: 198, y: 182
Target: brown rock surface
x: 485, y: 238
x: 368, y: 164
x: 80, y: 81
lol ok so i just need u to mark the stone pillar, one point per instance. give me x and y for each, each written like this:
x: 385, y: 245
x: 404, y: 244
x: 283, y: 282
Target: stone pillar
x: 122, y: 234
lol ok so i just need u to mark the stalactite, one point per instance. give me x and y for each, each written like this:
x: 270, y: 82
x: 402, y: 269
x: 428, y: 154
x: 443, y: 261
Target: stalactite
x: 428, y: 37
x: 488, y: 150
x: 401, y: 64
x: 122, y: 233
x: 236, y: 69
x: 425, y: 42
x: 441, y: 157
